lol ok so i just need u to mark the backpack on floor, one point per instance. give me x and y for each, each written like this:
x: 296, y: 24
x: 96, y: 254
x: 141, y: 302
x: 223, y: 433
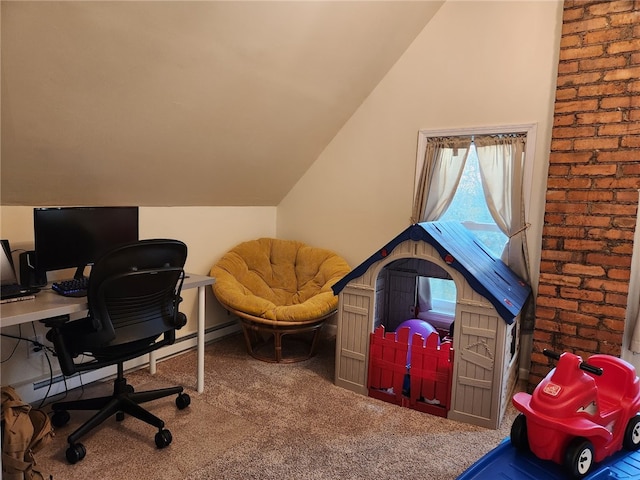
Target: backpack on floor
x: 25, y: 431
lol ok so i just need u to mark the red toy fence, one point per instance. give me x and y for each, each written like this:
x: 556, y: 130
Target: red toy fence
x: 424, y: 385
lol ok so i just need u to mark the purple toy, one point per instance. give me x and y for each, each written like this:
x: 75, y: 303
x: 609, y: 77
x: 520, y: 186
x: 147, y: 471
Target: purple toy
x: 416, y: 325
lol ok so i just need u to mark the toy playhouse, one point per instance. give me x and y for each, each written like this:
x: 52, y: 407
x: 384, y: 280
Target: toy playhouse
x: 466, y: 373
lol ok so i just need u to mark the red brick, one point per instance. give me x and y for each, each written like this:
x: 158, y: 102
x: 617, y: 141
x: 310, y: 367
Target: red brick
x: 599, y: 309
x: 576, y: 106
x: 583, y: 270
x: 608, y: 260
x: 576, y: 342
x: 578, y: 79
x: 625, y: 18
x: 572, y: 14
x: 616, y: 299
x: 548, y: 326
x: 625, y: 222
x: 619, y: 102
x: 626, y: 196
x: 624, y: 249
x: 578, y: 318
x: 599, y: 117
x: 597, y: 36
x: 594, y: 170
x: 589, y: 221
x: 565, y: 68
x: 558, y: 303
x: 604, y: 8
x: 627, y: 128
x: 560, y: 279
x: 601, y: 63
x: 630, y: 142
x: 619, y: 274
x: 565, y: 207
x: 556, y: 195
x: 571, y: 157
x: 624, y: 46
x: 609, y: 234
x: 602, y: 89
x: 569, y: 183
x: 622, y: 74
x: 590, y: 245
x: 613, y: 325
x: 598, y: 283
x: 584, y: 25
x: 582, y: 294
x: 557, y: 145
x: 564, y: 232
x: 617, y: 183
x: 557, y: 255
x: 545, y: 313
x: 600, y: 335
x: 566, y: 94
x: 589, y: 195
x: 613, y: 209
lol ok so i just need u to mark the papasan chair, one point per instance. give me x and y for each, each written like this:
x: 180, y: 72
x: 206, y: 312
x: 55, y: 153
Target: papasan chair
x: 279, y: 288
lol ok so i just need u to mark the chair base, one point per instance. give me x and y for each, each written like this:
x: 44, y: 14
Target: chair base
x: 265, y: 341
x: 123, y: 401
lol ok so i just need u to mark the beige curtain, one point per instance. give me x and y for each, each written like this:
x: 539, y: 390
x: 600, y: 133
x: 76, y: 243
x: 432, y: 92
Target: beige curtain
x: 501, y: 162
x: 444, y: 161
x: 633, y: 303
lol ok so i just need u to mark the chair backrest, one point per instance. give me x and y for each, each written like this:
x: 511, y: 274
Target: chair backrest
x: 134, y: 292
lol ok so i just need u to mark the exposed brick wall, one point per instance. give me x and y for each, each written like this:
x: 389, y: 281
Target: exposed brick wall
x: 593, y: 181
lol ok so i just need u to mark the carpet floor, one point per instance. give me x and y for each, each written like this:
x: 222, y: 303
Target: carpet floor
x: 258, y: 420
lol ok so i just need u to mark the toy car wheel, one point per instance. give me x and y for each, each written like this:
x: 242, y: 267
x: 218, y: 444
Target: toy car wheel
x: 631, y: 439
x: 519, y: 438
x: 578, y: 458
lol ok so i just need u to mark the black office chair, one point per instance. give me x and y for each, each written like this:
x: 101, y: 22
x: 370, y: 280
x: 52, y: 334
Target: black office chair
x: 133, y: 295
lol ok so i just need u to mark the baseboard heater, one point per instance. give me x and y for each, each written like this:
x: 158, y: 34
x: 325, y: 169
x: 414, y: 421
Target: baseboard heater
x: 182, y: 344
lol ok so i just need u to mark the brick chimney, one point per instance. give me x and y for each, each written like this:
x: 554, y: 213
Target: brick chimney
x: 593, y: 181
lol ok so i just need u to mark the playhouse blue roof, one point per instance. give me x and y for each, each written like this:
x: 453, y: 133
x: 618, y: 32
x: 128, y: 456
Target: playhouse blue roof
x: 459, y: 248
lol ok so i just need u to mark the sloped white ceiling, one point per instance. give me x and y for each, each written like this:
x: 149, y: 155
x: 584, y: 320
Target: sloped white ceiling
x: 184, y: 103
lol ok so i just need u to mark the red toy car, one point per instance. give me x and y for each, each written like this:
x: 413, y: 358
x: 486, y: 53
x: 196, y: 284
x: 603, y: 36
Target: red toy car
x: 580, y: 413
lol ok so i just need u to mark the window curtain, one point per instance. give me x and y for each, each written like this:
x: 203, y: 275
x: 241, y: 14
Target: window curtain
x: 633, y: 303
x: 501, y: 163
x: 444, y: 161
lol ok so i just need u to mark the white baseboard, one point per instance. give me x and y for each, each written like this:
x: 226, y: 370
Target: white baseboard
x: 35, y: 391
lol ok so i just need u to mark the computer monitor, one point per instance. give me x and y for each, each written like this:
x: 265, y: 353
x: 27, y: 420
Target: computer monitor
x: 74, y: 237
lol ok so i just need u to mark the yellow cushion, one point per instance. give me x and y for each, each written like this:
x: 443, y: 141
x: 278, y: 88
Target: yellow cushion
x: 279, y: 280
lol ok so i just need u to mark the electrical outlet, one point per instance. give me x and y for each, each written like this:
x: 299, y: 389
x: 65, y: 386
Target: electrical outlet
x: 31, y: 348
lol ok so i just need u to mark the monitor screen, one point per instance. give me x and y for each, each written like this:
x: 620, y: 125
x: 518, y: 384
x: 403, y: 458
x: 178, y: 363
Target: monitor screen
x: 73, y: 237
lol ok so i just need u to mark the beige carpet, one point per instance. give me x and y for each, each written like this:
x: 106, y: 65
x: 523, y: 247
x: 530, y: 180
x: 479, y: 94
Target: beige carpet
x: 258, y: 420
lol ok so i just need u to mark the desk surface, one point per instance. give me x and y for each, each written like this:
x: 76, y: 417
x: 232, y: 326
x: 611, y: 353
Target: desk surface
x: 49, y: 304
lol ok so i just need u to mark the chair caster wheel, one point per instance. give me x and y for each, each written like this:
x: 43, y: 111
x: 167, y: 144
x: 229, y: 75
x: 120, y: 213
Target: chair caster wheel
x: 163, y: 438
x: 75, y: 453
x: 183, y: 401
x: 60, y: 418
x: 119, y: 416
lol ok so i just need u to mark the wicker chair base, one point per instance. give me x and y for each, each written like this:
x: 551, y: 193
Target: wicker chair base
x: 264, y: 338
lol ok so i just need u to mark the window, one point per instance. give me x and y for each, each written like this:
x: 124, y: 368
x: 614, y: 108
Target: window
x: 470, y: 207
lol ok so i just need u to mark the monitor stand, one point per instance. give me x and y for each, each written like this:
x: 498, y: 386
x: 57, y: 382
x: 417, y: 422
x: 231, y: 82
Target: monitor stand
x: 79, y: 275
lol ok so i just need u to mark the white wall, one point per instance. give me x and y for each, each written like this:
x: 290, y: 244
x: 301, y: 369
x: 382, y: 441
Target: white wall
x: 476, y: 64
x: 208, y: 232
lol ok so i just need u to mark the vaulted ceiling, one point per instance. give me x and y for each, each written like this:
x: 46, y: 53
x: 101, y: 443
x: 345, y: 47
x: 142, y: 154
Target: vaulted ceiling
x: 184, y: 103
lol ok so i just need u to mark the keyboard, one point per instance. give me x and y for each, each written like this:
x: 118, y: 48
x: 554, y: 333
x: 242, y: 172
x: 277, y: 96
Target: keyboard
x: 76, y: 287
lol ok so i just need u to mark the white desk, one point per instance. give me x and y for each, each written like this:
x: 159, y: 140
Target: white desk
x: 48, y: 304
